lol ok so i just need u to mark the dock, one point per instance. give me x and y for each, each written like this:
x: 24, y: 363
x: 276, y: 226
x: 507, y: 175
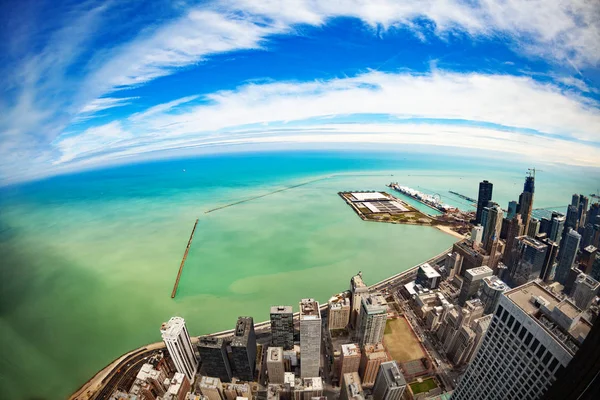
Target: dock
x: 187, y: 249
x: 462, y: 196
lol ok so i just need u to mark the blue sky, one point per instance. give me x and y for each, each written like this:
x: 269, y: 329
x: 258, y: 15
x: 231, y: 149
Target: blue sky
x: 94, y: 83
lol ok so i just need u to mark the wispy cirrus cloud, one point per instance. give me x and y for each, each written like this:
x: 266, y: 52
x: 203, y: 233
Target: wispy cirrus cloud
x: 509, y: 113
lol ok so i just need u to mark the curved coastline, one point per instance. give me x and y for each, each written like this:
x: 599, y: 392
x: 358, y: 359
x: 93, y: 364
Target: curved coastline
x: 97, y: 382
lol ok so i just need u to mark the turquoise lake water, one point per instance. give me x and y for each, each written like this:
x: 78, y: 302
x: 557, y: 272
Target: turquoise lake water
x: 88, y: 261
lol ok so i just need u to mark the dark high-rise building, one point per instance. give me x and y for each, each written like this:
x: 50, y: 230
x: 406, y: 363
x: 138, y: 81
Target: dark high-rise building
x: 596, y: 268
x: 525, y: 208
x: 592, y: 213
x: 513, y: 208
x: 549, y: 260
x: 575, y: 200
x: 485, y: 196
x: 589, y: 235
x: 472, y: 282
x: 213, y: 354
x: 582, y: 209
x: 545, y: 225
x: 588, y: 256
x: 243, y: 349
x: 282, y: 327
x: 572, y: 219
x: 581, y: 379
x: 557, y: 227
x: 529, y: 186
x: 514, y: 230
x: 568, y: 252
x: 492, y: 218
x: 527, y: 260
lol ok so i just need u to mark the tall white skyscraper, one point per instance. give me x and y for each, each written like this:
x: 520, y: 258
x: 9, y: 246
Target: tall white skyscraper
x: 358, y: 289
x: 310, y: 338
x: 176, y: 337
x: 532, y: 337
x: 372, y: 319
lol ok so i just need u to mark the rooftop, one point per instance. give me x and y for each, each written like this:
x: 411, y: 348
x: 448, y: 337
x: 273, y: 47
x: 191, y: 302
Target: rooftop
x: 281, y: 310
x: 429, y: 271
x: 208, y: 382
x: 479, y: 271
x: 350, y: 349
x: 210, y: 341
x: 315, y: 383
x: 357, y: 281
x: 275, y: 354
x: 339, y: 300
x: 588, y: 281
x: 533, y: 299
x: 393, y: 373
x: 173, y: 327
x: 364, y: 196
x: 309, y: 308
x: 495, y: 283
x: 375, y: 351
x: 375, y: 302
x: 243, y: 327
x: 531, y: 242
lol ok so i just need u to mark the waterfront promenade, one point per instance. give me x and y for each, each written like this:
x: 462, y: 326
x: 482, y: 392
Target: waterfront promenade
x: 102, y: 383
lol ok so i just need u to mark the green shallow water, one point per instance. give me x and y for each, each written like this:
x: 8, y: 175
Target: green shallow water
x: 88, y: 261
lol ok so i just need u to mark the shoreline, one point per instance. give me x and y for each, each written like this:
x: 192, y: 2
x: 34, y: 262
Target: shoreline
x: 449, y: 231
x: 94, y: 384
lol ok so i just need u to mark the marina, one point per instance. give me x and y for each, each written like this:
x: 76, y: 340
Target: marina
x: 432, y: 201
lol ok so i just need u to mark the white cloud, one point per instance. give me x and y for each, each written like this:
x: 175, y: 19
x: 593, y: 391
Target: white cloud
x: 105, y: 103
x: 517, y: 102
x: 286, y: 112
x: 161, y: 108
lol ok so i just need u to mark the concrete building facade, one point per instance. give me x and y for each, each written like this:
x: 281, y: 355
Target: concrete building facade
x: 177, y: 339
x: 372, y: 319
x: 532, y: 336
x: 390, y: 383
x: 282, y: 327
x: 243, y: 349
x: 310, y: 338
x: 275, y: 365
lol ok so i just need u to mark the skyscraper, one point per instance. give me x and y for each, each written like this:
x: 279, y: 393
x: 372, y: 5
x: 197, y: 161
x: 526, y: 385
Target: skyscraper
x: 485, y: 195
x: 310, y: 338
x: 177, y: 339
x: 390, y: 383
x: 351, y: 389
x: 358, y: 289
x: 513, y: 206
x: 557, y: 227
x: 275, y: 366
x: 472, y: 282
x: 568, y: 252
x: 372, y: 319
x: 581, y: 380
x: 372, y: 357
x: 527, y: 260
x: 493, y: 224
x: 585, y: 290
x: 582, y: 210
x: 491, y: 290
x: 243, y: 349
x: 350, y: 359
x: 549, y: 260
x: 282, y: 327
x: 515, y: 229
x: 213, y: 353
x: 534, y: 227
x: 532, y: 338
x: 477, y: 235
x: 338, y: 315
